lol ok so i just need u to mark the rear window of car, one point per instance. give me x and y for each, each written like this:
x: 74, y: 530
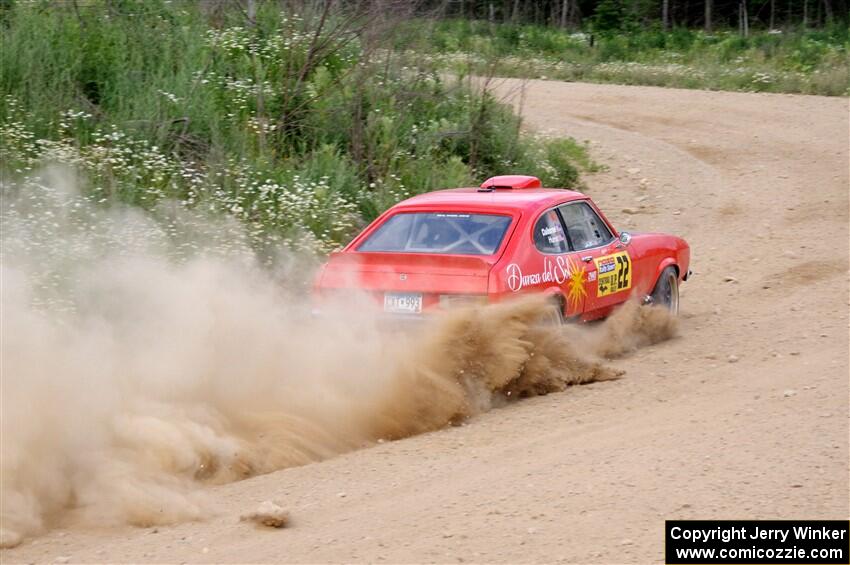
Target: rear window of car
x: 439, y: 233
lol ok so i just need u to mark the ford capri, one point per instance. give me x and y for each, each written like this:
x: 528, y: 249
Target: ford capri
x: 507, y: 238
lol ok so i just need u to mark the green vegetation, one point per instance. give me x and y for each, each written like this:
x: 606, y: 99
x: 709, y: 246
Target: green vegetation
x: 618, y: 15
x: 798, y: 61
x: 301, y: 126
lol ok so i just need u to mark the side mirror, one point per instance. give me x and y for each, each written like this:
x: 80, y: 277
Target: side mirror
x: 625, y: 237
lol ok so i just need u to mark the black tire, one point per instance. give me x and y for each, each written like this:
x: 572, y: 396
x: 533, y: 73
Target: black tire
x: 666, y: 291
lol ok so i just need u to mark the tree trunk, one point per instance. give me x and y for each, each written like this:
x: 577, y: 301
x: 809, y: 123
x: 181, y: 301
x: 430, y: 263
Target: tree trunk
x: 827, y: 6
x: 740, y: 21
x: 252, y: 12
x: 772, y: 13
x: 805, y: 13
x: 565, y: 10
x: 743, y: 19
x: 515, y: 12
x: 665, y: 13
x: 575, y: 14
x: 708, y: 7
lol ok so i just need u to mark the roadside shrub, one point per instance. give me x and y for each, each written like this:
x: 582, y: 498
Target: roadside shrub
x: 291, y: 124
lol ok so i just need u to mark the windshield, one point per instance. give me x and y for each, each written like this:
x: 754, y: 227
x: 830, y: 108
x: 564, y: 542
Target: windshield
x: 439, y: 232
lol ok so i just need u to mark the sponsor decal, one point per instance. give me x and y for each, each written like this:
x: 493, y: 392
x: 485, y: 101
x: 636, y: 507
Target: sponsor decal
x: 514, y: 277
x: 591, y: 276
x: 615, y: 273
x: 575, y: 289
x: 553, y: 234
x: 559, y: 270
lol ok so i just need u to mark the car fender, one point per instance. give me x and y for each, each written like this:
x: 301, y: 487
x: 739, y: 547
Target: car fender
x: 666, y: 262
x: 555, y: 293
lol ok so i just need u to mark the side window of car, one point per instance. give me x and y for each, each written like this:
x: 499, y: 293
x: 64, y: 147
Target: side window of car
x: 549, y: 236
x: 584, y: 225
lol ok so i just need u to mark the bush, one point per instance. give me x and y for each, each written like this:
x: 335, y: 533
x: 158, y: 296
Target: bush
x: 154, y: 100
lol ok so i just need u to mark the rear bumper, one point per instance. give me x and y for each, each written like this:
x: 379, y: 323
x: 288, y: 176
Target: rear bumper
x: 383, y: 320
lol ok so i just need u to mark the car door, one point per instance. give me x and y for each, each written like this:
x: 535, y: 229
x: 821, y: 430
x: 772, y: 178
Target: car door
x: 607, y: 263
x: 558, y: 264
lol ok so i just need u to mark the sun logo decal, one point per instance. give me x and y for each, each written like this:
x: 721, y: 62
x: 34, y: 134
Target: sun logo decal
x: 575, y: 285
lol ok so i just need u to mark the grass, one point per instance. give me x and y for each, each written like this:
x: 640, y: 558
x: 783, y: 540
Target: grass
x: 794, y: 61
x: 292, y: 125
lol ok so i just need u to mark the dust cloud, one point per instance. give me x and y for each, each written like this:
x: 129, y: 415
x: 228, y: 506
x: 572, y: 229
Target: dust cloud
x: 142, y: 358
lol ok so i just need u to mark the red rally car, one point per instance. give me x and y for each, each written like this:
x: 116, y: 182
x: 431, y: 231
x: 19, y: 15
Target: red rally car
x: 508, y: 237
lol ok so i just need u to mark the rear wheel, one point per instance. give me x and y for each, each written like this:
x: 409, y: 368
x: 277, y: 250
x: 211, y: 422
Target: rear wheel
x: 666, y: 291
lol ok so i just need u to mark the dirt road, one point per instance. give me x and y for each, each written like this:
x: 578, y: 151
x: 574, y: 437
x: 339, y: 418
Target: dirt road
x: 745, y: 415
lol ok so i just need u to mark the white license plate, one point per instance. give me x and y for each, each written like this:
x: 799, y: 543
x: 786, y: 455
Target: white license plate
x: 403, y: 302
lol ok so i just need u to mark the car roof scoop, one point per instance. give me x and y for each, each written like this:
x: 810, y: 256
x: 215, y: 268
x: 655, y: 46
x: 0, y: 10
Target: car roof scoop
x: 509, y: 182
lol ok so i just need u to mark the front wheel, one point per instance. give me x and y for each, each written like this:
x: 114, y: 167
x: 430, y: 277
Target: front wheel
x: 666, y: 291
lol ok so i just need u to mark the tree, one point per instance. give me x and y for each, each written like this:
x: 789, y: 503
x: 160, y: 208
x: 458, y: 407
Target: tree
x: 743, y: 19
x: 705, y: 14
x: 608, y: 16
x: 827, y: 6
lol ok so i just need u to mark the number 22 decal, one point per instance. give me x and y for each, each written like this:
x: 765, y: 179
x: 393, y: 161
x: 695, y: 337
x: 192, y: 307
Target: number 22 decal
x: 615, y: 273
x: 624, y: 279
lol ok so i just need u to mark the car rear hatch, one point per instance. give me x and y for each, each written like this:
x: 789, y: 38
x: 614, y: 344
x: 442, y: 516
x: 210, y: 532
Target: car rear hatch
x: 420, y: 277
